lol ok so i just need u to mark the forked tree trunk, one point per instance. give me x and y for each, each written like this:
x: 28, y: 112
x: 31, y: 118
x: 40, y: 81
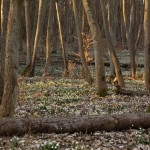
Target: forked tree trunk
x: 111, y: 47
x: 48, y: 38
x: 87, y: 74
x: 147, y: 45
x: 84, y: 124
x: 10, y: 94
x: 98, y: 50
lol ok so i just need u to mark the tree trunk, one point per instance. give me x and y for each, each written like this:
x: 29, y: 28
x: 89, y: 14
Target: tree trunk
x: 4, y: 17
x: 98, y: 50
x: 62, y: 40
x: 85, y: 124
x: 10, y: 94
x: 87, y: 73
x: 129, y: 22
x: 132, y: 40
x: 28, y: 34
x: 111, y: 47
x: 48, y: 38
x: 36, y: 41
x: 147, y: 45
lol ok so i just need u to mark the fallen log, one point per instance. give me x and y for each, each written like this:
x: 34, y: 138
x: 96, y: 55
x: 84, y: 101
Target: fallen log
x: 122, y: 91
x: 85, y: 124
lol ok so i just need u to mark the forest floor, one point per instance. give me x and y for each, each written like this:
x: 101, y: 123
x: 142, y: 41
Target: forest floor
x: 60, y: 96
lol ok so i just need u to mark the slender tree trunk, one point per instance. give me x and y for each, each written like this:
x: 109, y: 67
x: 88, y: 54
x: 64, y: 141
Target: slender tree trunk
x: 147, y: 44
x: 131, y: 42
x: 36, y: 41
x: 10, y: 94
x: 129, y: 22
x: 123, y: 31
x: 98, y: 51
x: 139, y: 22
x: 34, y: 5
x: 87, y: 73
x: 62, y: 41
x: 28, y: 34
x: 110, y: 17
x: 48, y: 38
x: 111, y: 47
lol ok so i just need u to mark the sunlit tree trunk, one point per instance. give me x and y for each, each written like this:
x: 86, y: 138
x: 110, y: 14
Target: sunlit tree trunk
x: 87, y: 73
x: 98, y: 51
x: 147, y: 44
x: 10, y: 94
x: 62, y: 40
x: 48, y: 38
x: 123, y: 31
x: 111, y: 47
x: 36, y: 41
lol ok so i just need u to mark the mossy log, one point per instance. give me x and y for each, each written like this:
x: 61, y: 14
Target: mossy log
x: 84, y: 124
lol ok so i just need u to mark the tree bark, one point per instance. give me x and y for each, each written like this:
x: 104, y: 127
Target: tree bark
x: 48, y: 38
x: 111, y: 47
x: 147, y: 45
x: 132, y: 39
x: 85, y: 124
x: 129, y: 22
x: 4, y: 17
x: 10, y: 94
x: 98, y: 50
x: 28, y: 34
x: 36, y: 41
x: 62, y: 40
x: 87, y: 73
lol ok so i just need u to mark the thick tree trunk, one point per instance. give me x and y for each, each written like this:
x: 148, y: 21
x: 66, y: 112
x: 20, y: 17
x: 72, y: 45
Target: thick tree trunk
x: 147, y: 45
x: 10, y: 94
x: 4, y: 17
x: 85, y: 124
x: 98, y: 50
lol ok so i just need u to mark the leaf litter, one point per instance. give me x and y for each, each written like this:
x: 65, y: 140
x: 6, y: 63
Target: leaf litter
x: 46, y: 97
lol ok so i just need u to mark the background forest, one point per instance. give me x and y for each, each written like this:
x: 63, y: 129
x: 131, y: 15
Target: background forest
x: 75, y: 74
